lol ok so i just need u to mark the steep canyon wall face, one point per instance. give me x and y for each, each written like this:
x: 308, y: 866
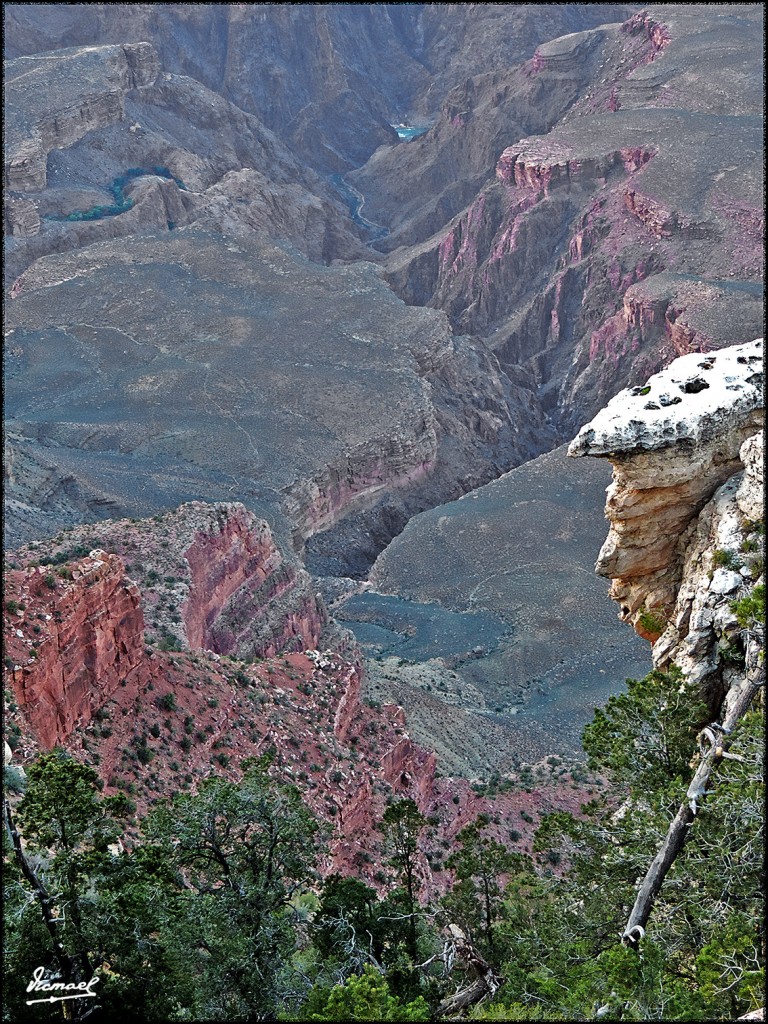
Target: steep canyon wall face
x: 620, y: 235
x: 76, y: 633
x: 82, y: 672
x: 71, y: 640
x: 685, y: 505
x: 38, y: 119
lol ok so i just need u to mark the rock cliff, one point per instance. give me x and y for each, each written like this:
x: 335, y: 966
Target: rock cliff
x: 315, y: 390
x: 46, y: 112
x: 82, y: 672
x: 71, y: 639
x: 685, y: 506
x: 617, y: 236
x: 211, y: 576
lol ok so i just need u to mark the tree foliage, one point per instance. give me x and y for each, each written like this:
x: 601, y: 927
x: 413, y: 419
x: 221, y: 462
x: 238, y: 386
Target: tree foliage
x: 219, y: 913
x: 367, y: 997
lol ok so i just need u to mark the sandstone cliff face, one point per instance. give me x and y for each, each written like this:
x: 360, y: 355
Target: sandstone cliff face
x: 72, y: 640
x: 211, y: 577
x: 722, y: 563
x: 174, y: 718
x: 244, y: 597
x: 682, y: 514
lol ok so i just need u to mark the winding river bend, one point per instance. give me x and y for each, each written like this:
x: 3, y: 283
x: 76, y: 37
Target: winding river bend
x: 355, y: 202
x: 122, y: 202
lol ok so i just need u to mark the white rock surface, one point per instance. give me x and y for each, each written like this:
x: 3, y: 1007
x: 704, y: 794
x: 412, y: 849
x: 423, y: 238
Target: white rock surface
x: 693, y: 399
x: 751, y: 493
x: 724, y: 581
x: 691, y: 429
x: 704, y: 634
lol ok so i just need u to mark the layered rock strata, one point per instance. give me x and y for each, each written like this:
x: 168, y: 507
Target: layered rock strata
x: 71, y: 640
x: 722, y: 564
x: 212, y: 578
x: 617, y: 236
x: 314, y: 389
x: 159, y: 722
x: 42, y: 116
x: 78, y: 631
x: 672, y: 443
x: 150, y: 120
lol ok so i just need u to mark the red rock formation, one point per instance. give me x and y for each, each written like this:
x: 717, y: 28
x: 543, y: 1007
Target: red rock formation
x: 657, y: 34
x: 347, y: 758
x: 211, y: 577
x: 73, y: 643
x: 658, y: 219
x: 242, y: 559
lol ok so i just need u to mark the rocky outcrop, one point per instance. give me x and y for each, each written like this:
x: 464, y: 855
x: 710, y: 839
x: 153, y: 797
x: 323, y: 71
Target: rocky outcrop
x: 244, y: 597
x: 628, y: 187
x: 56, y: 99
x: 543, y: 165
x: 21, y: 218
x: 656, y: 32
x: 72, y: 638
x: 211, y: 577
x: 672, y: 443
x: 722, y: 563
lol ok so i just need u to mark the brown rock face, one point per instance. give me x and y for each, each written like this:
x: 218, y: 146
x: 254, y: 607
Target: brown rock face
x: 74, y: 643
x: 672, y: 443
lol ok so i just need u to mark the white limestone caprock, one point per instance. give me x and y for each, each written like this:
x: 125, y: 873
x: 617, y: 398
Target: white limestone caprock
x: 691, y: 400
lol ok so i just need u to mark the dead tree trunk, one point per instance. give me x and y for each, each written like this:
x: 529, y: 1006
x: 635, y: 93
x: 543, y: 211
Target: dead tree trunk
x: 714, y: 742
x: 65, y: 961
x: 486, y: 981
x: 69, y: 971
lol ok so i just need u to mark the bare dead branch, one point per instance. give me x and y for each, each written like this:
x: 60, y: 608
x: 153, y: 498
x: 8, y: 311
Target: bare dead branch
x: 486, y: 980
x: 713, y: 744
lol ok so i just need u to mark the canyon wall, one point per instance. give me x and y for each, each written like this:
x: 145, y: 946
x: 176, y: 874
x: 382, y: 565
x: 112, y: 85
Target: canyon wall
x: 685, y: 505
x: 236, y: 366
x: 84, y: 672
x: 620, y: 234
x: 78, y: 631
x: 71, y: 639
x: 108, y: 109
x: 327, y: 78
x: 38, y: 121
